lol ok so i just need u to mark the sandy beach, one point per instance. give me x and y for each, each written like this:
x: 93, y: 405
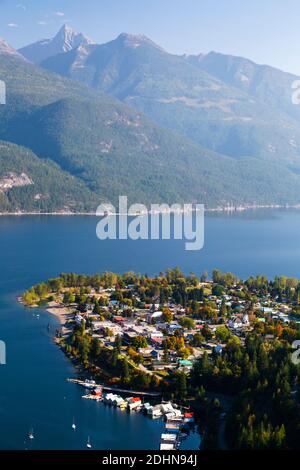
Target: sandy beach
x: 63, y: 314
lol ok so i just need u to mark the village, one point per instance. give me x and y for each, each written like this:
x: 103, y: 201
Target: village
x: 161, y: 338
x: 177, y: 346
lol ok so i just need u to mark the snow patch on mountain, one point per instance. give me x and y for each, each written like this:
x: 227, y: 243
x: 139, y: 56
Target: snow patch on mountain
x: 65, y: 40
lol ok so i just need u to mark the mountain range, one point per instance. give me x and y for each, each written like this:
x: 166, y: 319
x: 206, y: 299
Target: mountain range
x: 224, y: 103
x: 85, y: 123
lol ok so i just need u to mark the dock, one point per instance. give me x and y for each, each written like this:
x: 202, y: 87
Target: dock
x: 115, y: 390
x: 173, y: 434
x: 170, y: 438
x: 92, y: 397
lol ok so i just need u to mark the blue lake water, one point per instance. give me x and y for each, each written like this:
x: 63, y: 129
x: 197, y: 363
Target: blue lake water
x: 33, y: 388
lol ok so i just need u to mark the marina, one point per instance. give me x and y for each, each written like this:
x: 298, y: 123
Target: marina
x: 177, y: 421
x: 167, y: 409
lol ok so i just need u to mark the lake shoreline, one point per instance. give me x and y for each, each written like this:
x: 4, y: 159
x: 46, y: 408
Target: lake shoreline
x: 224, y: 210
x: 62, y: 314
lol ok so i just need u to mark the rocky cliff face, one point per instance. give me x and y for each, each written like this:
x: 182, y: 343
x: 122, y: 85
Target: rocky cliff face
x: 13, y: 180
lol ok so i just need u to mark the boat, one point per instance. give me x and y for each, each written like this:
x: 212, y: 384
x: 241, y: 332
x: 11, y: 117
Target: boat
x: 170, y: 415
x: 97, y: 392
x: 155, y: 411
x: 119, y: 402
x: 109, y: 398
x: 30, y: 434
x: 89, y: 445
x: 74, y: 425
x: 169, y: 438
x: 89, y: 383
x: 166, y: 446
x: 133, y: 403
x: 189, y: 418
x: 146, y: 407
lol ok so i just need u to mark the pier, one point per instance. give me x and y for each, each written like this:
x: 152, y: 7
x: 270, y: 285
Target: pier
x: 116, y: 390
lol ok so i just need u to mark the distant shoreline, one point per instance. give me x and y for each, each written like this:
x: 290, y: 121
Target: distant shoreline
x: 229, y: 209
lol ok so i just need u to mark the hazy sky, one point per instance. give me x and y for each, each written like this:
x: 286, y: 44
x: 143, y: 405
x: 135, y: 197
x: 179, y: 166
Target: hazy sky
x: 267, y: 31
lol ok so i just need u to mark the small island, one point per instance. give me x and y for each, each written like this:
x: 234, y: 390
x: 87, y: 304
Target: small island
x: 222, y: 347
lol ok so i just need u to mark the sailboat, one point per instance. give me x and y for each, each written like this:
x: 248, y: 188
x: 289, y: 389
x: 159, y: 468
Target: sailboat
x: 31, y: 435
x: 89, y: 445
x: 74, y: 425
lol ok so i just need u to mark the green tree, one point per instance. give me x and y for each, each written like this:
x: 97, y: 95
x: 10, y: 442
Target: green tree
x: 167, y: 316
x: 139, y: 342
x: 187, y: 322
x: 223, y: 334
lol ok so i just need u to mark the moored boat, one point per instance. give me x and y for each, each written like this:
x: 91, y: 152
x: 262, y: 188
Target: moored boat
x: 89, y: 383
x: 188, y: 418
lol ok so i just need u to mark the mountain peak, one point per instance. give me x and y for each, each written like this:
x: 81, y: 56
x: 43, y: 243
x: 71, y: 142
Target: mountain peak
x: 136, y: 40
x: 6, y: 49
x: 65, y: 40
x: 67, y: 27
x: 65, y: 30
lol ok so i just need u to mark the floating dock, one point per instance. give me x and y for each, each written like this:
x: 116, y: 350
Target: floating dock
x: 90, y: 384
x: 172, y: 435
x: 92, y: 397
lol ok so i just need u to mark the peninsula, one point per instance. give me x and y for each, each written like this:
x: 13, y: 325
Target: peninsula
x: 222, y: 346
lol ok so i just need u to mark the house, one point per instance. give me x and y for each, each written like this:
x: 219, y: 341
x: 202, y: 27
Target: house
x: 235, y: 323
x: 267, y: 310
x: 185, y: 363
x: 154, y: 316
x: 156, y: 355
x: 173, y: 327
x: 128, y: 323
x: 219, y: 349
x: 154, y: 307
x: 128, y: 336
x: 97, y: 325
x: 156, y: 341
x: 139, y: 330
x: 188, y: 335
x: 118, y: 319
x: 145, y: 352
x: 78, y: 318
x: 269, y: 337
x: 156, y: 334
